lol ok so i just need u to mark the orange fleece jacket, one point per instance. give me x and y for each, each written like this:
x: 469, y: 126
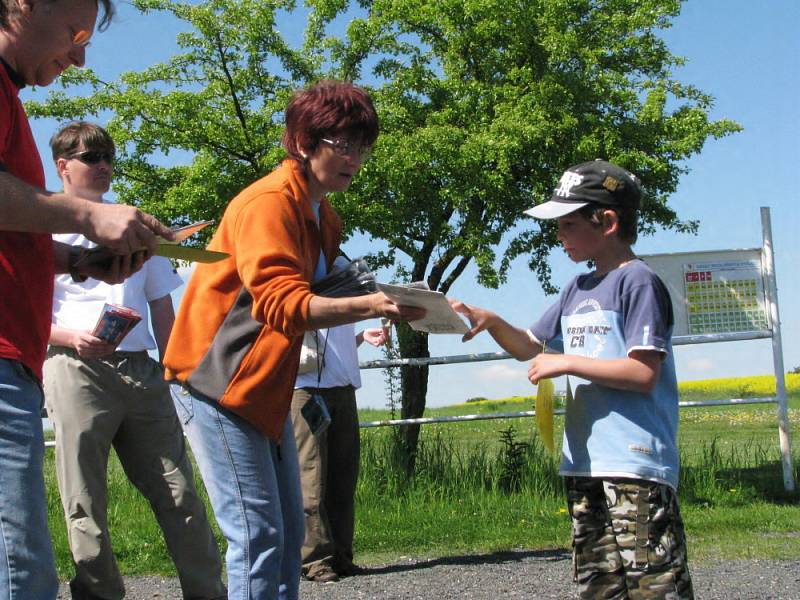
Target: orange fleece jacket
x: 239, y: 329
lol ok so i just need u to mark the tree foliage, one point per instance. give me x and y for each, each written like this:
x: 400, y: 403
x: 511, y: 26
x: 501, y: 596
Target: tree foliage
x: 483, y: 104
x: 217, y: 105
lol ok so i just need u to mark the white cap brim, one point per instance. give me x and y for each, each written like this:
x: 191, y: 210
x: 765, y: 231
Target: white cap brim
x: 553, y: 210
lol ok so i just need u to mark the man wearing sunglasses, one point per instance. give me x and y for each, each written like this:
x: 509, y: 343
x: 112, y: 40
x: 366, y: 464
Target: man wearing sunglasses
x: 100, y: 395
x: 38, y: 40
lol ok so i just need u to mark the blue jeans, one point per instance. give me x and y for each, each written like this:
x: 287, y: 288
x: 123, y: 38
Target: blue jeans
x: 27, y: 567
x: 254, y: 488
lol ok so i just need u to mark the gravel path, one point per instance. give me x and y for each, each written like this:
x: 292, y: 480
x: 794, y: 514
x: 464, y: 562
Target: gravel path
x: 544, y: 574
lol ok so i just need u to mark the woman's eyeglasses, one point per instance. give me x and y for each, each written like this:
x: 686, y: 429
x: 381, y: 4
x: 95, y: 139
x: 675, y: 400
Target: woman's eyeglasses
x: 344, y: 147
x: 92, y: 157
x: 82, y: 38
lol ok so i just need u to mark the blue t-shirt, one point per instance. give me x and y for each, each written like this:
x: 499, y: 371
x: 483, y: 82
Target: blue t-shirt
x: 610, y: 432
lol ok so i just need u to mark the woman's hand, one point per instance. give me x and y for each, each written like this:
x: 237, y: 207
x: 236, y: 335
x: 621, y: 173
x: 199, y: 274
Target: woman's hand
x: 88, y: 346
x: 383, y: 307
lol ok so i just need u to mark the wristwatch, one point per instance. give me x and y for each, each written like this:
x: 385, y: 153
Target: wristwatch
x: 76, y: 253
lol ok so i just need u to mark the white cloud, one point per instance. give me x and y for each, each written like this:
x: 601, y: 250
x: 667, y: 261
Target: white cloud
x: 700, y: 365
x: 502, y: 372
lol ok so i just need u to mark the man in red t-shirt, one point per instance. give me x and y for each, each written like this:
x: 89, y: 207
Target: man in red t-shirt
x: 38, y: 40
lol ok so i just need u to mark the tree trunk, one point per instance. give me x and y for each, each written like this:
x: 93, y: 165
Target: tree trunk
x: 413, y: 344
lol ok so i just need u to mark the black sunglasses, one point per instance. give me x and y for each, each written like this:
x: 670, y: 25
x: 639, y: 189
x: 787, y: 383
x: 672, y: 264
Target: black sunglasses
x: 92, y: 157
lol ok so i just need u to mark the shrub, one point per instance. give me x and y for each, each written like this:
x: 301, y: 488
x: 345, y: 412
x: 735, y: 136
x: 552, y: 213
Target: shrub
x: 512, y: 461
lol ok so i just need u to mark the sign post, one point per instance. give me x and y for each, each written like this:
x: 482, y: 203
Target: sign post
x: 727, y: 296
x: 784, y: 434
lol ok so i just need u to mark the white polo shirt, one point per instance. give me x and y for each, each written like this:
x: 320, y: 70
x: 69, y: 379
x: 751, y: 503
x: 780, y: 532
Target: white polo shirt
x: 341, y: 360
x: 79, y: 305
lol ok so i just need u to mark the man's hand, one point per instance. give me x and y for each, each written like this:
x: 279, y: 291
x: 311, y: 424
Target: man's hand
x: 123, y: 229
x: 116, y: 269
x: 99, y: 263
x: 88, y: 346
x: 375, y: 336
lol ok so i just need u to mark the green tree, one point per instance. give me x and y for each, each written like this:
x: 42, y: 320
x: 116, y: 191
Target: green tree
x: 219, y: 102
x: 483, y: 103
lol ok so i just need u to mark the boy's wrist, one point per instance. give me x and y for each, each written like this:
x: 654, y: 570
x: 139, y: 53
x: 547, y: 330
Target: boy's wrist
x: 492, y: 321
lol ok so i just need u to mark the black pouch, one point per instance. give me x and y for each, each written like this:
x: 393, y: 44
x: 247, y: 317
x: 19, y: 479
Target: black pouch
x: 316, y: 414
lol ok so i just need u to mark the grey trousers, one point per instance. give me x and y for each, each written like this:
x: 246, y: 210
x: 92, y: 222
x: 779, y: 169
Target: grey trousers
x: 122, y: 401
x: 328, y: 475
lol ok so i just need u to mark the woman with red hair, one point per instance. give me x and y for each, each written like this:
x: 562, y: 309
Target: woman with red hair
x: 234, y: 350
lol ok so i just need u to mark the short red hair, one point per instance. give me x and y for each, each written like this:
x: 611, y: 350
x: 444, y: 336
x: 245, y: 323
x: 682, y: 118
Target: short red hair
x: 328, y: 108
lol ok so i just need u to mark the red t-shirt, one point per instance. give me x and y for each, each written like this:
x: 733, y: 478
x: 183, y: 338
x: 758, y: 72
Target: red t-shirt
x: 26, y: 259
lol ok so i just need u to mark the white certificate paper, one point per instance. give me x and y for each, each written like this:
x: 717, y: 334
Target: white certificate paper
x: 440, y: 316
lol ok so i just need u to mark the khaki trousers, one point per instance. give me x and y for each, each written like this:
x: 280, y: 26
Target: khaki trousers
x: 328, y: 475
x: 122, y: 401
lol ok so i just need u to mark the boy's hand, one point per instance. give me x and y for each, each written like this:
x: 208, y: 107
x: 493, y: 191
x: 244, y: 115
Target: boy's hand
x: 546, y: 366
x: 479, y: 318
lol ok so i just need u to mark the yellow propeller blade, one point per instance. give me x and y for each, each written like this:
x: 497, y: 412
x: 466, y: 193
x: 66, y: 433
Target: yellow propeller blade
x: 544, y: 412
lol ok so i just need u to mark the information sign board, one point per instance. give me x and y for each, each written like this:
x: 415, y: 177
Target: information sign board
x: 714, y: 291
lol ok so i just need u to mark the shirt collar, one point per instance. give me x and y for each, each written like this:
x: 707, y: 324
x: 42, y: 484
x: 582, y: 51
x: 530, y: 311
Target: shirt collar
x: 15, y: 77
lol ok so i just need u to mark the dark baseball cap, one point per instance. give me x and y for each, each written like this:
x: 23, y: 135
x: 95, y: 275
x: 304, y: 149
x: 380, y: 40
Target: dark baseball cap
x: 597, y: 182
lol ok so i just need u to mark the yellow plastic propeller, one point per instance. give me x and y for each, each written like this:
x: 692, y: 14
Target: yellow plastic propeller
x: 544, y: 412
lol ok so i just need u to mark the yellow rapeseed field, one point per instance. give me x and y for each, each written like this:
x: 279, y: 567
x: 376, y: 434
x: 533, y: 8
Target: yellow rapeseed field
x: 737, y: 387
x: 706, y: 389
x: 760, y: 386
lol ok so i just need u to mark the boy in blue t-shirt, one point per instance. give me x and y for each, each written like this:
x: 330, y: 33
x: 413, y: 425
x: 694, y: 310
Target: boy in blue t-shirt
x: 613, y: 327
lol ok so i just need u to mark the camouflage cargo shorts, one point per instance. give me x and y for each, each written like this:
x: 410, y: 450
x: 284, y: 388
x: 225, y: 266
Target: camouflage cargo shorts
x: 628, y: 540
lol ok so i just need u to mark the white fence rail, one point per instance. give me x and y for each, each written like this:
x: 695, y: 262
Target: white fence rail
x: 672, y: 268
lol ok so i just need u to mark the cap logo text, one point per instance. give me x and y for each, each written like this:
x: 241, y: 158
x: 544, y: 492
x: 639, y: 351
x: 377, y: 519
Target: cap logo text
x: 568, y: 181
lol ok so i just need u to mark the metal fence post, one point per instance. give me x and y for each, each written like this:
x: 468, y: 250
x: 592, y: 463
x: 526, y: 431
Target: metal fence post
x: 784, y: 434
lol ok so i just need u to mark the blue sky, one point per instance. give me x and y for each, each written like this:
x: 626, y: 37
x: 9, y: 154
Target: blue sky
x: 747, y: 55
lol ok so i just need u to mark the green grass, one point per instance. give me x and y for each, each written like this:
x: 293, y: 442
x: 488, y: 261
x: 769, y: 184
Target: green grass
x: 482, y: 488
x: 463, y: 498
x: 137, y: 540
